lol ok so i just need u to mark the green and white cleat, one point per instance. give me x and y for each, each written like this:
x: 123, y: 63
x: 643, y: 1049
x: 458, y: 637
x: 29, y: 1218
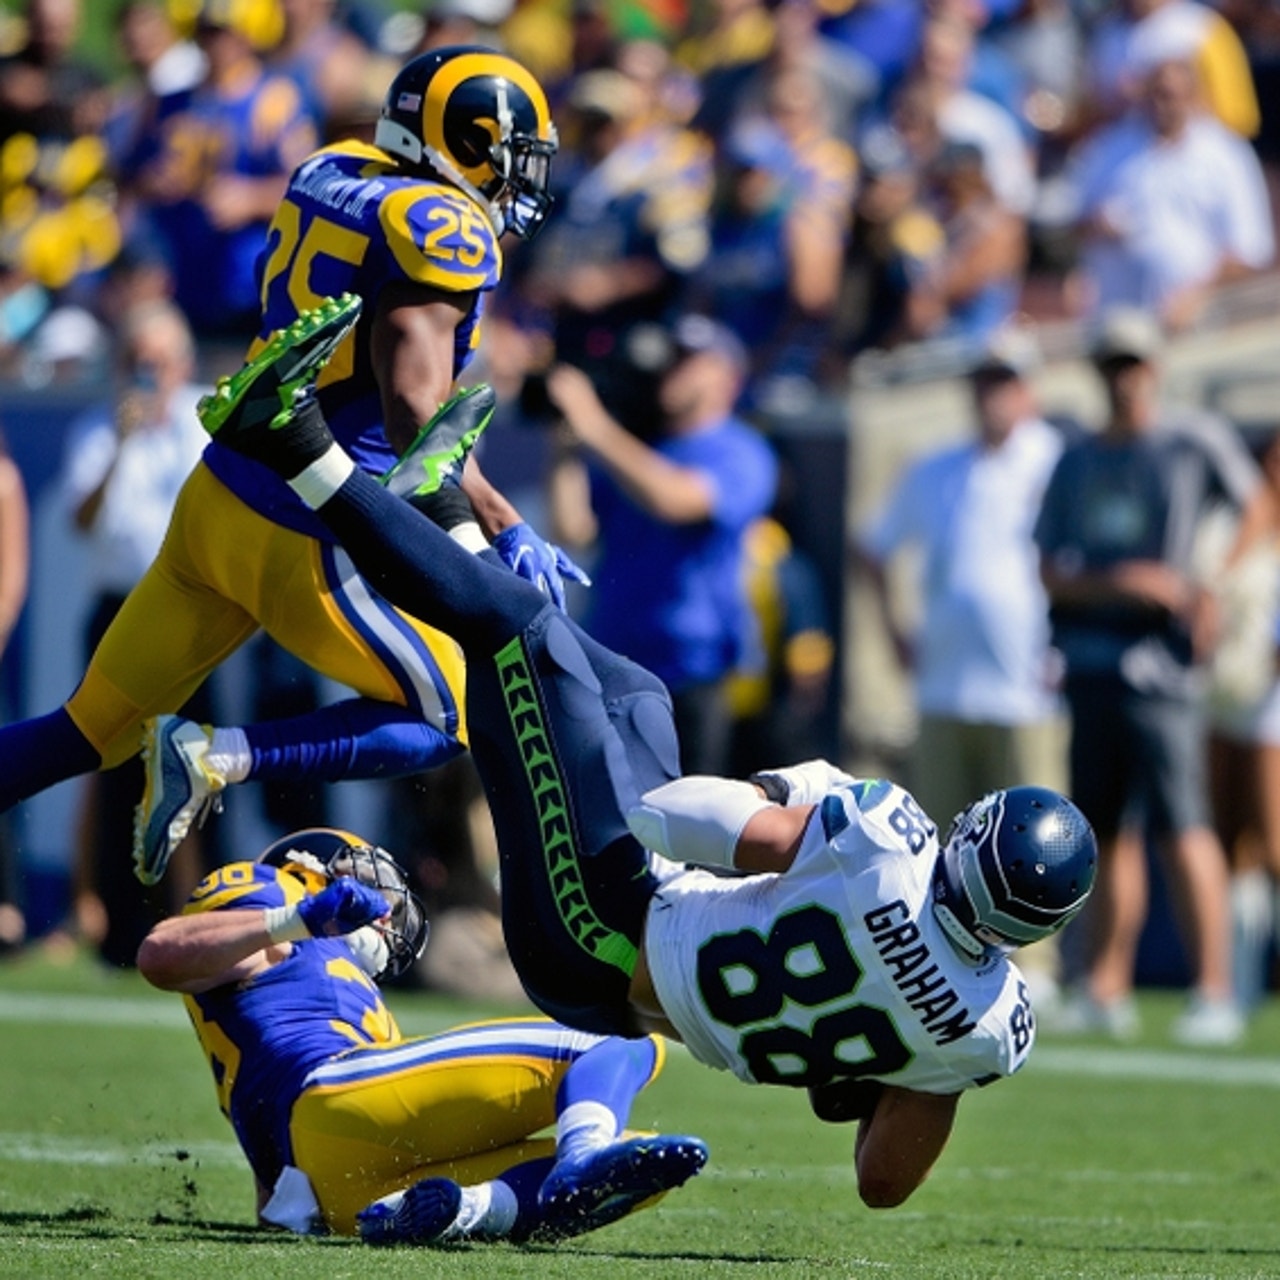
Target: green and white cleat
x: 250, y: 406
x: 436, y: 457
x: 180, y: 790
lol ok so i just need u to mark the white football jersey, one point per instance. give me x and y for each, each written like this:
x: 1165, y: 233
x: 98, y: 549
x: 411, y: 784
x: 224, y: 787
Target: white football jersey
x: 838, y: 967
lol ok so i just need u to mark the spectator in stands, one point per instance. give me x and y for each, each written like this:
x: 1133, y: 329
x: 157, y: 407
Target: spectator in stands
x: 466, y: 22
x: 670, y: 519
x: 15, y: 566
x: 124, y: 462
x: 213, y: 168
x: 57, y: 215
x: 46, y: 89
x: 631, y: 224
x: 1136, y: 36
x: 1116, y: 535
x: 1045, y: 42
x: 779, y: 225
x: 843, y: 83
x: 162, y: 63
x: 1170, y: 203
x: 971, y: 288
x: 326, y: 59
x: 723, y: 53
x: 944, y: 67
x: 895, y: 235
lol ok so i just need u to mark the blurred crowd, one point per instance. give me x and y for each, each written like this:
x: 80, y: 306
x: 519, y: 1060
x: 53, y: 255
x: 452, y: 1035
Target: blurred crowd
x: 763, y: 191
x: 825, y: 176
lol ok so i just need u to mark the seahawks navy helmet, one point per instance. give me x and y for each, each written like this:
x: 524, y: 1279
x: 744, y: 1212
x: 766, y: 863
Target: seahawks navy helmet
x: 477, y: 119
x: 319, y: 855
x: 1016, y: 866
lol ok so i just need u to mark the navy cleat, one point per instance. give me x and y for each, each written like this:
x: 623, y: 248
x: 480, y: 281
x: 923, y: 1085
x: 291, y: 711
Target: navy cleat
x: 436, y: 457
x: 252, y: 410
x: 423, y: 1214
x: 608, y: 1183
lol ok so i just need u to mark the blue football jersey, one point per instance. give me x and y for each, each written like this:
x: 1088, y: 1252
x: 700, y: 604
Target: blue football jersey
x: 352, y: 222
x: 262, y: 1037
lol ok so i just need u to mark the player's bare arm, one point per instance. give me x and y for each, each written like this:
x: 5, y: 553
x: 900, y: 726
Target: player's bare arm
x: 411, y: 348
x: 199, y: 952
x: 899, y: 1143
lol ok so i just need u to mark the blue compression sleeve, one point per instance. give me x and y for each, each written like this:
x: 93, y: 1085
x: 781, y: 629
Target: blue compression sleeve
x: 611, y: 1073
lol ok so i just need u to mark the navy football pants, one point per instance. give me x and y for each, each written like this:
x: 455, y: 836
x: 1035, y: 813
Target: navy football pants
x: 566, y: 734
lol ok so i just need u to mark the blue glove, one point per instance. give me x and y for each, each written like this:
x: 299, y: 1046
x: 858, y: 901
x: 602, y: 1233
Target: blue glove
x: 540, y: 562
x: 345, y: 906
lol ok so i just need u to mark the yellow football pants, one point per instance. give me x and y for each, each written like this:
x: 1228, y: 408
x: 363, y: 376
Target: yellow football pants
x: 222, y: 573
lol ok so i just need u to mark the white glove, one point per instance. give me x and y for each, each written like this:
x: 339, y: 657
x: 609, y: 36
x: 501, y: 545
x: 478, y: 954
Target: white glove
x: 800, y: 784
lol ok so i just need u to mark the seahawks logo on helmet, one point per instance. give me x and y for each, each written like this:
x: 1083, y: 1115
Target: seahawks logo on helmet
x: 319, y: 855
x: 1016, y: 866
x: 477, y: 119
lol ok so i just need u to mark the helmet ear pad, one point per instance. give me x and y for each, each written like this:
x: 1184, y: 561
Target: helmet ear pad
x: 1016, y: 866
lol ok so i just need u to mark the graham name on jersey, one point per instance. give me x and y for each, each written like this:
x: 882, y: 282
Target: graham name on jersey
x: 913, y: 971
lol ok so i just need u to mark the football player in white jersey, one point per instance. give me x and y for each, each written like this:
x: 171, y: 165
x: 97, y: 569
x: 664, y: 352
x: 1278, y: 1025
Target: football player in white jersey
x: 855, y: 958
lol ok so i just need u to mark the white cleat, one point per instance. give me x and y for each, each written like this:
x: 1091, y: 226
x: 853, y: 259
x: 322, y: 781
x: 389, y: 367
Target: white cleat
x: 180, y: 790
x: 1209, y: 1023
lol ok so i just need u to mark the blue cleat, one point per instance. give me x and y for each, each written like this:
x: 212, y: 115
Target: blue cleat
x: 583, y: 1195
x: 423, y: 1214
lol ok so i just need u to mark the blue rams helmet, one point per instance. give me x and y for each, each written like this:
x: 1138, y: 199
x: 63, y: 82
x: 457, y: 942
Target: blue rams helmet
x: 477, y: 119
x: 1016, y: 866
x: 319, y: 855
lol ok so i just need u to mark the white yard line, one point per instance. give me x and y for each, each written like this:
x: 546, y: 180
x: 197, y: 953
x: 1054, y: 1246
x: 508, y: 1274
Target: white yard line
x: 44, y: 1148
x: 1060, y: 1059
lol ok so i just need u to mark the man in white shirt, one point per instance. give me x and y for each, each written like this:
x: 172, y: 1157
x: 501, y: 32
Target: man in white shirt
x: 980, y: 655
x: 1170, y: 203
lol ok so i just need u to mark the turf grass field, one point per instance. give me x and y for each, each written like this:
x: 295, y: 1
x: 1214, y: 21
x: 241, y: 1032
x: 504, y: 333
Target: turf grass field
x: 1145, y: 1161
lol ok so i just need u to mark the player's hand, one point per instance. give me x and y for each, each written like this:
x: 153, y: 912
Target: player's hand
x: 345, y: 906
x: 541, y: 562
x: 800, y: 784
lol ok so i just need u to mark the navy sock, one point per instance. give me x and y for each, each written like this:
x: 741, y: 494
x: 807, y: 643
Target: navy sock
x: 288, y: 453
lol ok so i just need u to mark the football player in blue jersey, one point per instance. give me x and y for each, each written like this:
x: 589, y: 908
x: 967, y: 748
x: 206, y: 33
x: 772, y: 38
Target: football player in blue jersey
x: 410, y: 226
x: 860, y: 957
x: 347, y: 1125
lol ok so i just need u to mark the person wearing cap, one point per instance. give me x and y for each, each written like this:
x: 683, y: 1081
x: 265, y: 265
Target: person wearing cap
x: 979, y: 658
x: 1135, y: 626
x: 669, y: 519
